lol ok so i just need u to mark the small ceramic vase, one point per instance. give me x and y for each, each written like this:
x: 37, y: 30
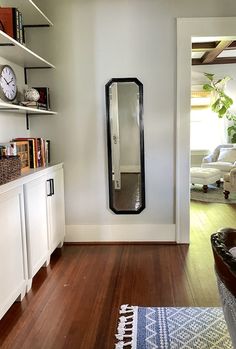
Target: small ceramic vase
x: 32, y: 95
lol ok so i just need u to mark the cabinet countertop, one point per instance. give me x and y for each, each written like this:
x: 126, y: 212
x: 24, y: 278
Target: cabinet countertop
x: 29, y: 176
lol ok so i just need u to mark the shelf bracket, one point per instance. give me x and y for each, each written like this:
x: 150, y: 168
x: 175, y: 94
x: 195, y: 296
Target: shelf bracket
x: 36, y: 25
x: 27, y: 121
x: 33, y: 26
x: 31, y: 68
x: 6, y: 44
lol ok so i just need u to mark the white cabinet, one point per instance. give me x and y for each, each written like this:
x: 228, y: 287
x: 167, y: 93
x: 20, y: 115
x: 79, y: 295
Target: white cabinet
x: 13, y: 270
x: 32, y: 225
x: 45, y: 218
x: 36, y: 224
x: 56, y: 210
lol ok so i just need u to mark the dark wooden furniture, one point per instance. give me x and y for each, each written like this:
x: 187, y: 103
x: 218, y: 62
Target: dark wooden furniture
x: 225, y: 263
x: 225, y: 266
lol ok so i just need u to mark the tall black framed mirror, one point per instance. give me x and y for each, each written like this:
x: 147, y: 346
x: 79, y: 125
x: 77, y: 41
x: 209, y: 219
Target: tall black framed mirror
x: 125, y: 141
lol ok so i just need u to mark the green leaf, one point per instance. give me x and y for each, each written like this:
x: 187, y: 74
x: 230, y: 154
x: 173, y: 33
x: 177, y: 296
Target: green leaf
x: 225, y: 80
x: 224, y: 95
x: 208, y: 87
x: 229, y: 116
x: 209, y: 76
x: 216, y: 105
x: 231, y: 129
x: 226, y: 102
x: 233, y: 139
x: 222, y: 111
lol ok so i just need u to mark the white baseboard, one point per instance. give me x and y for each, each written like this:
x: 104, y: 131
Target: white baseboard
x: 121, y: 233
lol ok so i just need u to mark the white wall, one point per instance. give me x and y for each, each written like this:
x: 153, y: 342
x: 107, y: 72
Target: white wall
x: 197, y: 157
x: 91, y: 42
x: 11, y: 124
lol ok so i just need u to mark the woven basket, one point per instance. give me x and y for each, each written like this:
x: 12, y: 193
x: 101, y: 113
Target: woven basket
x: 10, y: 168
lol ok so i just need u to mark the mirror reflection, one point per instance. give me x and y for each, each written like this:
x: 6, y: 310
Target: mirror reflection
x: 124, y: 100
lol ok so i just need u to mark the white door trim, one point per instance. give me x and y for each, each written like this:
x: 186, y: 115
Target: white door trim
x: 187, y: 28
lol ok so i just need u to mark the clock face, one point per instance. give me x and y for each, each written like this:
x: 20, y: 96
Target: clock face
x: 8, y: 83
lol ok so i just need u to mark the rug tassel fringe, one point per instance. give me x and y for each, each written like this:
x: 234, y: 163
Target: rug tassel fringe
x: 125, y: 309
x: 121, y: 345
x: 123, y: 329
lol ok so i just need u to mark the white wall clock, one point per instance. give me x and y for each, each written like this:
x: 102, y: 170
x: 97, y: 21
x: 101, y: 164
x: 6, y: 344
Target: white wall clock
x: 8, y: 88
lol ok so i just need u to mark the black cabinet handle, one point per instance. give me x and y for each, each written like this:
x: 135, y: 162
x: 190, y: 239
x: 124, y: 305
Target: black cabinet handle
x: 52, y: 186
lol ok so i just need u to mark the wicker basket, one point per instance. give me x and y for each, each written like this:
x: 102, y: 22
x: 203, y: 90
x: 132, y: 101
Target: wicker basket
x: 10, y: 168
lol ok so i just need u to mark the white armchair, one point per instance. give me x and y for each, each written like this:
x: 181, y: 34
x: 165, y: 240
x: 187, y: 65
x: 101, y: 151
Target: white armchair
x: 222, y: 158
x: 229, y: 182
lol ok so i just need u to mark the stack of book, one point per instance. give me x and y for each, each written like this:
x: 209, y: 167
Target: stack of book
x: 39, y: 151
x: 37, y: 148
x: 32, y: 104
x: 11, y: 23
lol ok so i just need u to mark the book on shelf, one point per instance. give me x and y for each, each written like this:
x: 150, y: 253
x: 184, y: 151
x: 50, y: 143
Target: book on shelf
x: 47, y: 151
x: 39, y: 151
x: 11, y: 23
x: 32, y: 104
x: 22, y: 38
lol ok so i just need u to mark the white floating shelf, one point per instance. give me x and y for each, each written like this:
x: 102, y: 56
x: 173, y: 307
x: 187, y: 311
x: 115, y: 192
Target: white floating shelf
x: 9, y: 107
x: 32, y: 15
x: 19, y: 54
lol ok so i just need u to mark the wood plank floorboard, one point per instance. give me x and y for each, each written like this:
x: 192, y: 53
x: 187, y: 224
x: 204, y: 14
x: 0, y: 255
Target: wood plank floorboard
x: 74, y: 302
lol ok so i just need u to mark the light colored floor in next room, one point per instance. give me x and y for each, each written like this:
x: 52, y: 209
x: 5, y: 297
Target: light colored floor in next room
x: 207, y: 218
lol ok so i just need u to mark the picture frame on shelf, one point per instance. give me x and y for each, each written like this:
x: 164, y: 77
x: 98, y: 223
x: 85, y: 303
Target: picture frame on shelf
x: 22, y: 148
x: 44, y: 96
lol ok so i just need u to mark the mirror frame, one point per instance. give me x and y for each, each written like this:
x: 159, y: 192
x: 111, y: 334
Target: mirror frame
x: 109, y: 149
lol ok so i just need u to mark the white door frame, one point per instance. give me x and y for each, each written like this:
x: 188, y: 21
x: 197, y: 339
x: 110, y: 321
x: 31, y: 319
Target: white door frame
x: 187, y: 28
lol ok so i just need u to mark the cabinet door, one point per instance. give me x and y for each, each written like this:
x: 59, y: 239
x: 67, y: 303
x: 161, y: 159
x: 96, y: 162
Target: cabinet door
x: 56, y: 213
x: 36, y: 223
x: 13, y: 271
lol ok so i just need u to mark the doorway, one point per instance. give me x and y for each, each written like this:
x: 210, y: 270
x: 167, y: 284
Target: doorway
x: 186, y: 29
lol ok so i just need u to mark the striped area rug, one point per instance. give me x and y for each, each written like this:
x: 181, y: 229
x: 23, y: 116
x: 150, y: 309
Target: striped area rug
x: 172, y: 328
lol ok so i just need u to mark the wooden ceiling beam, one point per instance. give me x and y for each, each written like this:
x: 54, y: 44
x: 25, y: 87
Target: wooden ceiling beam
x: 222, y: 60
x: 210, y: 56
x: 207, y: 46
x: 232, y: 46
x: 203, y: 46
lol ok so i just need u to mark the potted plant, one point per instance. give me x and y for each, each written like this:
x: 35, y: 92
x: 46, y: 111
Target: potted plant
x: 221, y: 102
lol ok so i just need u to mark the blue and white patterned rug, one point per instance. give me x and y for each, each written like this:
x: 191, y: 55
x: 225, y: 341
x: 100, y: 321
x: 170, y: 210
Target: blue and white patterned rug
x: 172, y: 328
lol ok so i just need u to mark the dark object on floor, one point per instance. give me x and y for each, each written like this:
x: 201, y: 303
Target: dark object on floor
x: 224, y: 250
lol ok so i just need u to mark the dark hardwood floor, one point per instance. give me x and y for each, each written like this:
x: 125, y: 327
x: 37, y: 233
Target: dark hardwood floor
x: 74, y: 303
